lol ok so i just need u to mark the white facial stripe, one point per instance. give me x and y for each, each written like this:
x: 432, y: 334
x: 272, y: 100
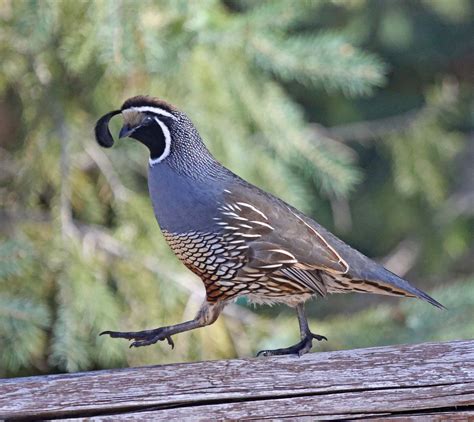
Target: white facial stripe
x: 166, y: 152
x: 155, y: 110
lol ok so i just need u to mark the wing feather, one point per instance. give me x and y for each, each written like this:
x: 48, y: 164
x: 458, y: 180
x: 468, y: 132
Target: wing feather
x: 270, y: 259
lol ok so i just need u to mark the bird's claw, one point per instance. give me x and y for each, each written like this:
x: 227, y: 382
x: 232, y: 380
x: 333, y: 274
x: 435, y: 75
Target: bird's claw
x: 299, y: 349
x: 152, y: 340
x: 318, y: 337
x: 142, y: 338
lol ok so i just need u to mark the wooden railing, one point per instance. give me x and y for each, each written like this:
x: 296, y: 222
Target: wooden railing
x: 409, y: 382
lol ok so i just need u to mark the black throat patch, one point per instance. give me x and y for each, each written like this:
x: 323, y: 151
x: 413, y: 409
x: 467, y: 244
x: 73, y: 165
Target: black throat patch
x: 152, y: 136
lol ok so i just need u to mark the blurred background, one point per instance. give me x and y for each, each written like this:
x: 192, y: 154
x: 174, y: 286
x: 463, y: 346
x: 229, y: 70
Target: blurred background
x: 359, y: 113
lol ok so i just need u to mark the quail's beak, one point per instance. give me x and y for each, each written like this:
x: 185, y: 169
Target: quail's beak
x: 126, y: 130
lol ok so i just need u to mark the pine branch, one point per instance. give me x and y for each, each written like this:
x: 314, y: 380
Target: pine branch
x: 370, y: 130
x: 15, y: 256
x: 23, y: 325
x: 276, y: 14
x: 326, y: 60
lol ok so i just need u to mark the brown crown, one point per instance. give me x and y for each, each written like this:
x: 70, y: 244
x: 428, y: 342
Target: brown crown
x: 145, y: 100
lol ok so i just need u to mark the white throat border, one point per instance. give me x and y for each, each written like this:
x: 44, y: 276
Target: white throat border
x: 166, y: 133
x: 166, y: 152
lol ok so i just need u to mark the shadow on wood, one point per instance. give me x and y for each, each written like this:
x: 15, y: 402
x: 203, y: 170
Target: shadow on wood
x: 410, y: 382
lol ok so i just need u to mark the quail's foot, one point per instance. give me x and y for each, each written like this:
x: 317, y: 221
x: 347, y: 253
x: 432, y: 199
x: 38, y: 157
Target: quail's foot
x: 299, y: 349
x: 142, y: 338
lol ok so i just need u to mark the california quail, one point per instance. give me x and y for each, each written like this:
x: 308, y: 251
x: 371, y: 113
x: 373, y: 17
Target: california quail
x: 240, y: 240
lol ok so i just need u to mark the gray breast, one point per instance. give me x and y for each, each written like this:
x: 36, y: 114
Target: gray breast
x: 181, y: 203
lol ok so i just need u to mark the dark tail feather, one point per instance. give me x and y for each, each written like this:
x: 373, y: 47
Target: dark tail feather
x: 390, y: 281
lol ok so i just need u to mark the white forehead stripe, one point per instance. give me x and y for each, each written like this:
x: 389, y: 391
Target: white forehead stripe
x: 150, y: 109
x: 167, y: 136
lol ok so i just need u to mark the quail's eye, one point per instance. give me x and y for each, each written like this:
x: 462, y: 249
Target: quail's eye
x: 147, y: 120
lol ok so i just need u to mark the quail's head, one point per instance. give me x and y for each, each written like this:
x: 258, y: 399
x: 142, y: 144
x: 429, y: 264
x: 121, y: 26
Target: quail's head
x: 153, y: 122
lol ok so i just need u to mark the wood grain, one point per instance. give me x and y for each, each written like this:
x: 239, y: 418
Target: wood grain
x: 406, y: 382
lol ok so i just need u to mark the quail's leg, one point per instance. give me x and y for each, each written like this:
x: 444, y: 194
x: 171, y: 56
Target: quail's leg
x: 206, y: 316
x: 304, y: 345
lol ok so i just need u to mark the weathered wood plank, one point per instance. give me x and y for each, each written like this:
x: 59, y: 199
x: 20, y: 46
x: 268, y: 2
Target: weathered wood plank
x: 384, y: 381
x: 329, y: 406
x: 432, y: 417
x: 191, y: 415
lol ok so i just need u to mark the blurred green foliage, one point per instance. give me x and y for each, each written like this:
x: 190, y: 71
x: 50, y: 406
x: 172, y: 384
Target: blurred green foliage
x: 359, y: 113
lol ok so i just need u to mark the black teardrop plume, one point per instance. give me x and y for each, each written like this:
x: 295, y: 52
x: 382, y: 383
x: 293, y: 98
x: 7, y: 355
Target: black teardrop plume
x: 102, y: 132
